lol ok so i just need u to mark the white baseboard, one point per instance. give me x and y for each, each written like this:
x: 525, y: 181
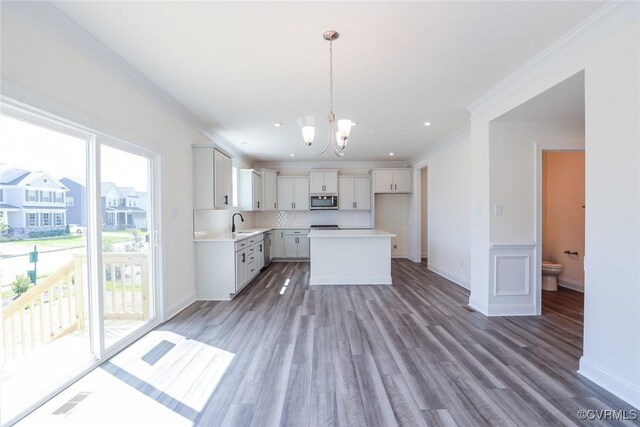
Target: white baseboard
x: 399, y: 255
x: 414, y: 259
x: 511, y: 310
x: 571, y: 284
x: 626, y: 391
x: 477, y: 306
x: 366, y: 280
x: 180, y: 305
x: 454, y: 279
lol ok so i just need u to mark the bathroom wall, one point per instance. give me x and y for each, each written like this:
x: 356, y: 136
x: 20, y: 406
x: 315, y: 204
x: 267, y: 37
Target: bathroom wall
x: 563, y: 213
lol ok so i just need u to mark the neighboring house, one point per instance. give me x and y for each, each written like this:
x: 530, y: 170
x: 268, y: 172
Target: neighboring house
x: 122, y: 207
x: 31, y: 202
x: 76, y: 197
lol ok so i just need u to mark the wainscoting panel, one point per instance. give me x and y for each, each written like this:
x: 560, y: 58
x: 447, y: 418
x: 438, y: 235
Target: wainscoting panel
x: 512, y: 279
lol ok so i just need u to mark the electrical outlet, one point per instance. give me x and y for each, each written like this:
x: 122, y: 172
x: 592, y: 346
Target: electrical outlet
x: 395, y: 246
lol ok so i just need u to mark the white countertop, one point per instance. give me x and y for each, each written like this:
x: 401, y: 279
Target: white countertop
x: 350, y: 233
x: 239, y: 235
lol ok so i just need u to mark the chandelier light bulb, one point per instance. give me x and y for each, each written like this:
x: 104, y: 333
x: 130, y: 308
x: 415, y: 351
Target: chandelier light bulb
x: 308, y: 133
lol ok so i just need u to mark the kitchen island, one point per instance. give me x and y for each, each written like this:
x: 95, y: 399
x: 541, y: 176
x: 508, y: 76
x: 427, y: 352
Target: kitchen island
x: 350, y: 257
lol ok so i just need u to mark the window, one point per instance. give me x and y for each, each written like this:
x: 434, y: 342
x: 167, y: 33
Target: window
x: 70, y: 201
x: 45, y: 196
x: 32, y: 220
x: 46, y: 219
x: 30, y: 195
x: 58, y: 219
x: 46, y: 180
x: 59, y: 197
x: 1, y: 195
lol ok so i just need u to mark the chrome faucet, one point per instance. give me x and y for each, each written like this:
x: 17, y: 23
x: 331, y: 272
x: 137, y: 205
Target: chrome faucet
x: 233, y: 221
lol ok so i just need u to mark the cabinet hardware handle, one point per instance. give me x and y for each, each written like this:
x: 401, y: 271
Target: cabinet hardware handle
x: 568, y: 252
x: 226, y: 200
x: 291, y: 205
x: 260, y: 247
x: 274, y: 205
x: 396, y: 186
x: 244, y: 257
x: 258, y: 205
x: 390, y: 186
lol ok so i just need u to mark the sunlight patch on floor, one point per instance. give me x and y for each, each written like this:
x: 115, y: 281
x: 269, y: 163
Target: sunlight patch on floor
x: 127, y: 390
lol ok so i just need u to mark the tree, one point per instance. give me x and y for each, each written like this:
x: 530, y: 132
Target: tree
x: 20, y: 285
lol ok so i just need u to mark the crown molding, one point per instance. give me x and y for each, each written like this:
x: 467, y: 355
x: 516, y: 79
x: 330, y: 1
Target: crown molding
x: 355, y: 165
x: 488, y: 97
x: 420, y: 160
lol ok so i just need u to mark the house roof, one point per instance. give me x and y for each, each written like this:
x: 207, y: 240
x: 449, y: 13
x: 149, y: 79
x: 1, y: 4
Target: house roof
x: 22, y: 177
x: 127, y: 209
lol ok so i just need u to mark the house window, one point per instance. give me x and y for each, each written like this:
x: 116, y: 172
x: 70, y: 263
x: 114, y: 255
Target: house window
x: 58, y: 219
x: 1, y: 217
x: 45, y: 196
x: 46, y: 219
x: 32, y: 220
x: 31, y: 195
x: 70, y: 201
x: 1, y: 195
x: 59, y: 197
x: 46, y: 180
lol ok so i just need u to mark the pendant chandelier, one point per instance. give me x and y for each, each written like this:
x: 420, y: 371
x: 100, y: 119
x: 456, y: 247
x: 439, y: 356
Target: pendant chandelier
x: 337, y: 138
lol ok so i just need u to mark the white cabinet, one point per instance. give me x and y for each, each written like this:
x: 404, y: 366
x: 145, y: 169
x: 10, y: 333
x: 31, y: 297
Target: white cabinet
x: 296, y: 243
x: 225, y: 267
x: 392, y: 180
x: 323, y: 181
x: 270, y: 190
x: 241, y: 269
x: 354, y: 193
x: 250, y: 190
x: 277, y: 250
x: 212, y: 180
x: 293, y: 193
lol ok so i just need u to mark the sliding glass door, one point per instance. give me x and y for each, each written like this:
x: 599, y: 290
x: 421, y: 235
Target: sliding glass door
x: 77, y: 252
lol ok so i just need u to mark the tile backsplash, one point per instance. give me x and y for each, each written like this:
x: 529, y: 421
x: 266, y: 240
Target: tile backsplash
x: 344, y: 219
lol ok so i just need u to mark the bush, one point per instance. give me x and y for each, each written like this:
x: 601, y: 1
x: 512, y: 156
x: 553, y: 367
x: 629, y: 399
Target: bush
x: 20, y: 285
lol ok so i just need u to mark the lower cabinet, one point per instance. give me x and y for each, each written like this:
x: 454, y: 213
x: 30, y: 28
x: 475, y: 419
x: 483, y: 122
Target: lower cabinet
x: 296, y: 244
x: 215, y: 280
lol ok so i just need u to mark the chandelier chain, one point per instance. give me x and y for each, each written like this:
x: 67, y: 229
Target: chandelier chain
x: 331, y: 74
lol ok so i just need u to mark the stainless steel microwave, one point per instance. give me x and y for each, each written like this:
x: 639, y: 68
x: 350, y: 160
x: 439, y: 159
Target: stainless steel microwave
x: 324, y: 201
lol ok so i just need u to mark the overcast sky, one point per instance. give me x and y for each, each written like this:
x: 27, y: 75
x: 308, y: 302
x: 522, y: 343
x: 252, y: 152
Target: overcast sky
x: 31, y: 147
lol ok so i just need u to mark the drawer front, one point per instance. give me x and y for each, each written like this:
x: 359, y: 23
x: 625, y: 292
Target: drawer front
x: 251, y: 240
x: 259, y: 238
x: 251, y: 250
x: 252, y: 268
x: 242, y: 244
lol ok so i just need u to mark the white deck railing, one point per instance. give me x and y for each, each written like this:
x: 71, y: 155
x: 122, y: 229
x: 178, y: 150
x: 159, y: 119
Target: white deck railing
x: 57, y: 305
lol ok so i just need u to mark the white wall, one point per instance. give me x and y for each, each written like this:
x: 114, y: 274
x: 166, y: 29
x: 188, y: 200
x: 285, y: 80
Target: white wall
x: 392, y: 215
x: 424, y: 214
x: 448, y: 223
x: 50, y: 63
x: 608, y: 50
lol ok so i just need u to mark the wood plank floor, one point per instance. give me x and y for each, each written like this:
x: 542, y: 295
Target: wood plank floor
x: 409, y: 354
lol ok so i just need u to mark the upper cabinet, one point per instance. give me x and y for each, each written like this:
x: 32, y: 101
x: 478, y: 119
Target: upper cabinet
x: 354, y: 193
x: 293, y: 193
x: 269, y: 190
x: 250, y: 190
x: 212, y: 179
x: 323, y: 181
x: 392, y: 180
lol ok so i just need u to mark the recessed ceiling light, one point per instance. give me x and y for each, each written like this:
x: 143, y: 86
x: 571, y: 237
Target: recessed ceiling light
x: 292, y: 154
x: 354, y: 123
x: 392, y: 154
x: 427, y: 123
x: 244, y: 142
x: 277, y: 124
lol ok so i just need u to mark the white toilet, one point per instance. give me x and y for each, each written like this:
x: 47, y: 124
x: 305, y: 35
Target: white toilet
x: 550, y: 273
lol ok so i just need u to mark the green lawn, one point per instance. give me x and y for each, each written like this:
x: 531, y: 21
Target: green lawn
x: 60, y: 242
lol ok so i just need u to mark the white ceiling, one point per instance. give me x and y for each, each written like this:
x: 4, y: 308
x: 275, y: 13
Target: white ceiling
x: 242, y: 66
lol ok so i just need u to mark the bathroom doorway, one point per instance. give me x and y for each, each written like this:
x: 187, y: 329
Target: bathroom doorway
x: 563, y: 233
